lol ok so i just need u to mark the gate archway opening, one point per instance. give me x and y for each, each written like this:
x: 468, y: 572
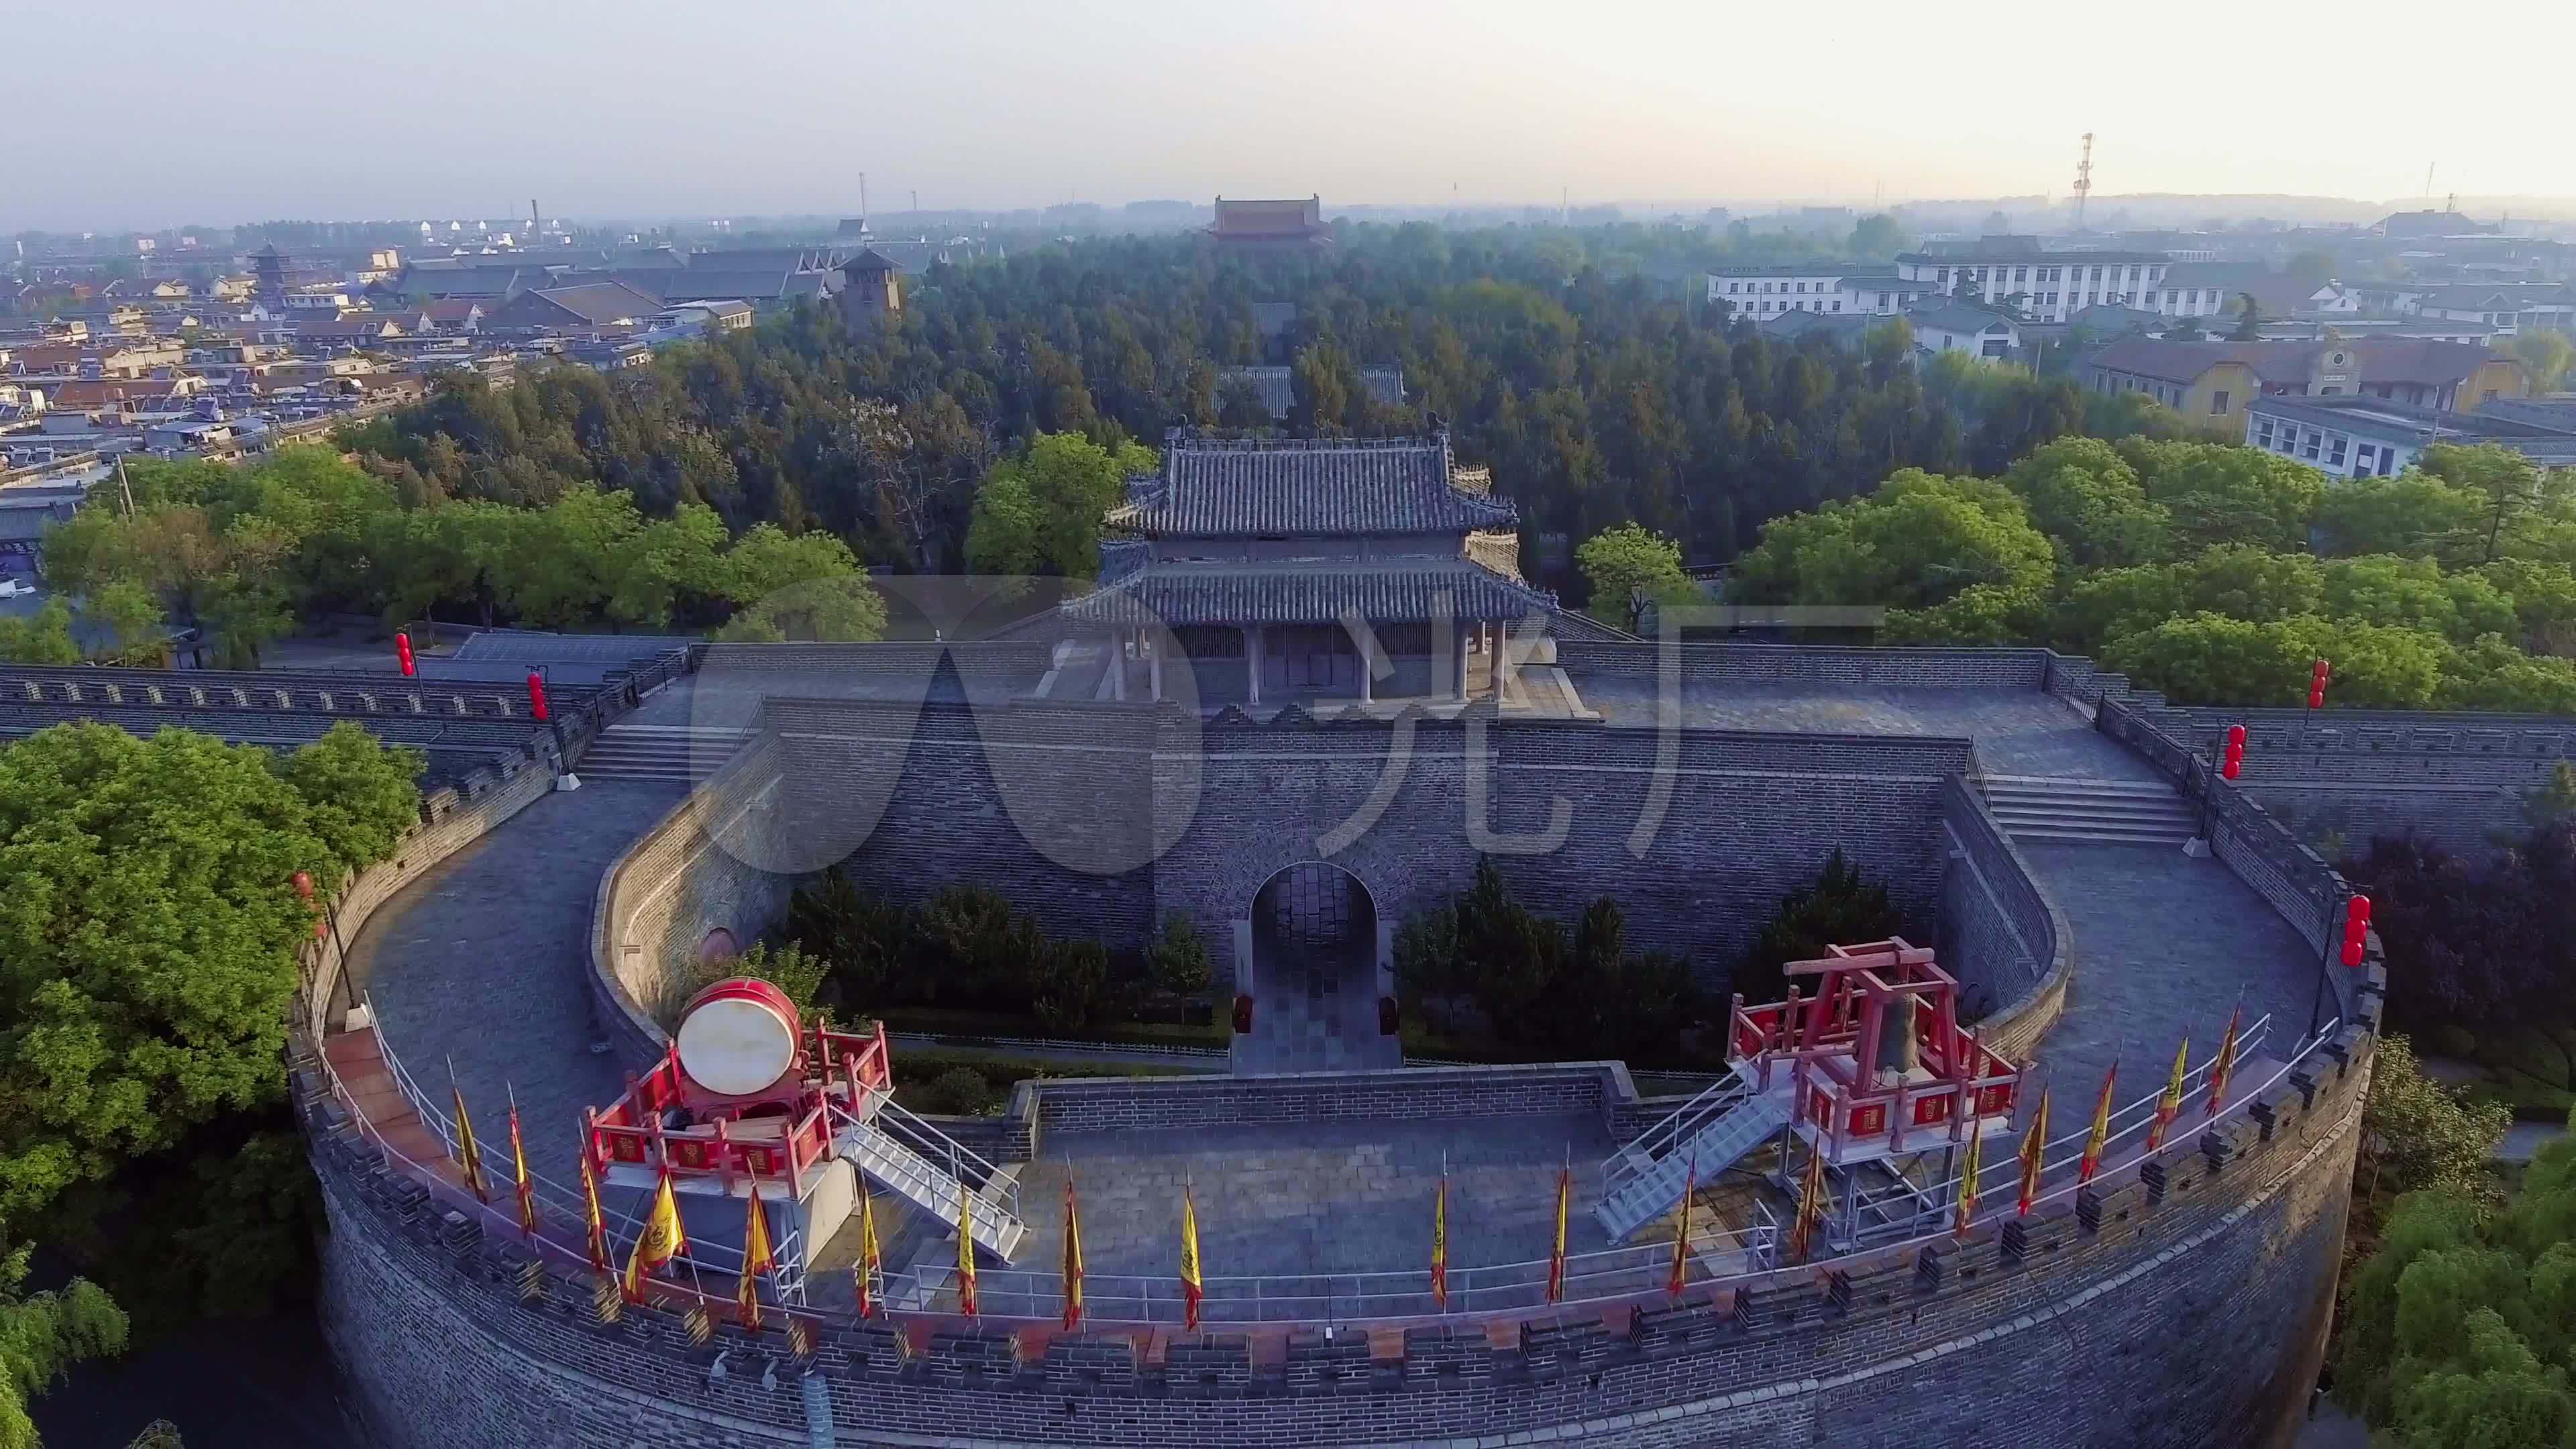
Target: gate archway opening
x: 1315, y: 975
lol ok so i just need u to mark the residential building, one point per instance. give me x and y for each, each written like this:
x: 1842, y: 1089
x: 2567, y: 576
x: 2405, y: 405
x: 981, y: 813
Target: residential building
x: 2217, y: 379
x: 2508, y: 307
x: 2042, y: 285
x: 1958, y: 327
x: 581, y: 307
x: 2364, y: 437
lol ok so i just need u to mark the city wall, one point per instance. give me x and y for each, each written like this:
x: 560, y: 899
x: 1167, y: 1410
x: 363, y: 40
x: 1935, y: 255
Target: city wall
x: 2185, y: 1305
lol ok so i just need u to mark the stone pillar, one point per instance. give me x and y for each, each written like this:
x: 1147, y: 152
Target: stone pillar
x: 1118, y: 665
x: 1502, y: 656
x: 1368, y: 660
x: 1154, y: 663
x: 1252, y: 660
x: 1462, y: 663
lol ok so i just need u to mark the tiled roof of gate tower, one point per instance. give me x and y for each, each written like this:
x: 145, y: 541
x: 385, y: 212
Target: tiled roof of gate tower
x: 1304, y: 487
x: 1288, y: 594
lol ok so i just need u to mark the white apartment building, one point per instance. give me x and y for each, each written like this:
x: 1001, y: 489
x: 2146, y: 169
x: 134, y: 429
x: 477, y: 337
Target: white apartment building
x: 1761, y: 293
x: 2044, y: 286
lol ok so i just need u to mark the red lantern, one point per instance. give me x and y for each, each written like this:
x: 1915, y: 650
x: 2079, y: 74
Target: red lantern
x: 2235, y: 760
x: 2317, y: 683
x: 402, y: 654
x: 1243, y: 1013
x: 537, y: 696
x: 2356, y: 929
x: 304, y: 884
x: 318, y: 928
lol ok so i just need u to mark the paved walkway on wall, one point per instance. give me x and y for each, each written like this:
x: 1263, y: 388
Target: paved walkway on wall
x: 2163, y: 943
x: 481, y: 963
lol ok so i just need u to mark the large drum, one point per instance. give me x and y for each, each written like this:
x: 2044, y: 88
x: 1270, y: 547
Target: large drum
x: 738, y: 1037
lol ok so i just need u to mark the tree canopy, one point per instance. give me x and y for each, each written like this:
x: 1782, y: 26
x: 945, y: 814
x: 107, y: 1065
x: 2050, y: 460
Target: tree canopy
x: 148, y: 938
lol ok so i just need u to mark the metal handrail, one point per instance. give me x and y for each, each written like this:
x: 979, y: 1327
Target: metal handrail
x: 1635, y: 1158
x: 990, y: 1182
x: 557, y: 1204
x: 1624, y: 1274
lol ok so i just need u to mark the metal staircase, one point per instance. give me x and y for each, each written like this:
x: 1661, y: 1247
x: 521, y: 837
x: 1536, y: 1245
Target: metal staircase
x: 1713, y: 1130
x: 925, y: 1167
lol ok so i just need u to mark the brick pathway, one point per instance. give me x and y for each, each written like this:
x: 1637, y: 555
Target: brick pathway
x: 481, y: 962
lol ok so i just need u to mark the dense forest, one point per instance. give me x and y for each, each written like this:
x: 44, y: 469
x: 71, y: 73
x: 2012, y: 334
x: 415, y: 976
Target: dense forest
x: 1577, y: 363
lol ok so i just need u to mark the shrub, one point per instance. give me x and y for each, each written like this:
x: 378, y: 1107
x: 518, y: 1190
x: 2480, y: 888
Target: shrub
x: 1069, y: 988
x: 956, y: 1092
x: 1179, y: 957
x: 1841, y: 908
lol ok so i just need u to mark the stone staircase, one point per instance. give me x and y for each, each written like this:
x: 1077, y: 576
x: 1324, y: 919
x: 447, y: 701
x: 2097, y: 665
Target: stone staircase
x: 672, y: 754
x: 2056, y: 809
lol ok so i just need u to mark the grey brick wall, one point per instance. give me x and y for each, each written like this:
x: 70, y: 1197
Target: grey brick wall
x: 1809, y: 664
x: 2005, y: 941
x: 705, y: 866
x: 1099, y: 819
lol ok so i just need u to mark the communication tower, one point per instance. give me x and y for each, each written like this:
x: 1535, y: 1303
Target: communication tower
x: 2083, y: 180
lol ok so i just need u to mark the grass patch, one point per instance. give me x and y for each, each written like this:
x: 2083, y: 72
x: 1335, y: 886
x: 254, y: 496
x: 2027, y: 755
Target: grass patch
x: 959, y: 1084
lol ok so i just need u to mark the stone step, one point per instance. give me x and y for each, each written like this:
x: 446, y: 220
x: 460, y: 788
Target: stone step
x: 2098, y: 835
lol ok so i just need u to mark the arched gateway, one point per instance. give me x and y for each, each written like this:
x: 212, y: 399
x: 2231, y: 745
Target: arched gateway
x: 1316, y: 967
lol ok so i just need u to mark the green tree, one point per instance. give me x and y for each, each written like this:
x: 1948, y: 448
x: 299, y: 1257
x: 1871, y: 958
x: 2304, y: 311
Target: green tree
x: 44, y: 637
x: 41, y: 1335
x: 2547, y: 355
x: 2419, y: 1133
x: 1179, y: 957
x: 1915, y: 543
x: 767, y: 559
x: 1631, y: 570
x: 821, y: 611
x: 2228, y: 494
x: 1040, y: 512
x: 2249, y: 319
x: 2087, y: 499
x: 147, y: 949
x: 1840, y: 907
x: 2412, y: 513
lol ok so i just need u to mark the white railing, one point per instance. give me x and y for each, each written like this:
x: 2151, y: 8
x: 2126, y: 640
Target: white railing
x: 562, y: 1215
x: 1686, y: 1122
x: 1717, y: 1255
x: 942, y: 1151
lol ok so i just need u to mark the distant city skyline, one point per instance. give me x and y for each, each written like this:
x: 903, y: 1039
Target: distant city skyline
x: 653, y: 108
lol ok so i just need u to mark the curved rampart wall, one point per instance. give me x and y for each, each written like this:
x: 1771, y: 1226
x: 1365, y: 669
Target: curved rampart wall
x: 2187, y: 1309
x: 2008, y: 944
x: 700, y: 869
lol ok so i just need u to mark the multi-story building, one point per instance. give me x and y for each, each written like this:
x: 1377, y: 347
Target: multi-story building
x: 1758, y: 294
x: 2364, y: 437
x: 2043, y: 286
x: 2218, y: 379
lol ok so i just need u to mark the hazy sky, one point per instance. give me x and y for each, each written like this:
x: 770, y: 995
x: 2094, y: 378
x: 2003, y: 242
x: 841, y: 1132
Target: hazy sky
x: 219, y: 111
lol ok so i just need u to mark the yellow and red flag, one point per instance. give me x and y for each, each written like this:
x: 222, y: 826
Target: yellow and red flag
x: 527, y: 1187
x: 1681, y: 1232
x: 865, y: 1269
x: 1072, y: 1261
x: 1556, y: 1250
x: 1811, y: 1207
x: 2225, y: 1066
x: 756, y: 1259
x: 1192, y: 1287
x: 662, y: 1240
x: 965, y: 1250
x: 2095, y: 1140
x: 1968, y: 1180
x: 1440, y: 1243
x: 2034, y: 1148
x: 468, y: 1157
x: 2169, y: 1101
x: 598, y: 1221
